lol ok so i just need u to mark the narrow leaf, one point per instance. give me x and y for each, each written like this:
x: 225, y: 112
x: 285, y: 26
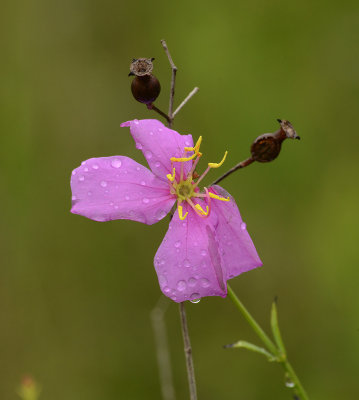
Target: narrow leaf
x: 252, y: 347
x: 275, y: 329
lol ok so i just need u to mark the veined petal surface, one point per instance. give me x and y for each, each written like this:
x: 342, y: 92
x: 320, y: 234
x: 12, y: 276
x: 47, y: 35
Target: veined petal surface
x: 109, y: 188
x: 159, y: 144
x: 238, y: 252
x: 188, y: 262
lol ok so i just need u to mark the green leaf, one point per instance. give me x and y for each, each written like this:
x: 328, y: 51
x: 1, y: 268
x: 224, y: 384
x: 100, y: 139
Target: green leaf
x: 275, y: 330
x: 252, y: 347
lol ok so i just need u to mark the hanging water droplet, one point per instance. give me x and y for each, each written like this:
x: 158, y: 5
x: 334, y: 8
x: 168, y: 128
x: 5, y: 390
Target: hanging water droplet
x: 181, y: 286
x: 145, y: 200
x: 81, y: 178
x: 116, y: 163
x: 103, y: 183
x: 194, y: 298
x: 243, y: 226
x: 148, y: 154
x: 95, y: 166
x: 178, y: 243
x: 288, y: 381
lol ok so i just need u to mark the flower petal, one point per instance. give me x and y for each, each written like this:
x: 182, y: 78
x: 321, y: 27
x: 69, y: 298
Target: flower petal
x: 188, y: 261
x: 239, y: 254
x: 117, y: 187
x: 158, y: 144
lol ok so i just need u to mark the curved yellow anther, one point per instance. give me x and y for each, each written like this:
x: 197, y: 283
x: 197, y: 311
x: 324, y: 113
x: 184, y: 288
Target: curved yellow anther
x: 180, y: 213
x: 200, y: 209
x: 214, y: 196
x: 196, y: 146
x: 184, y: 159
x: 171, y: 177
x: 217, y: 165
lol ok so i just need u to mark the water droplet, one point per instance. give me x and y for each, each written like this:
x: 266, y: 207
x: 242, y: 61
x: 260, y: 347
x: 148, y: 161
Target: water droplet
x: 148, y: 154
x: 194, y: 298
x: 81, y: 178
x: 127, y: 197
x: 116, y: 207
x: 73, y: 198
x: 95, y: 166
x: 143, y: 183
x: 181, y: 286
x: 86, y: 169
x: 166, y: 289
x: 203, y: 253
x: 145, y: 200
x: 162, y: 280
x: 178, y: 243
x: 192, y: 282
x: 112, y: 203
x: 73, y: 172
x: 186, y: 263
x: 157, y: 164
x: 103, y: 183
x: 116, y: 163
x: 204, y: 282
x: 138, y: 168
x: 160, y: 214
x: 135, y: 121
x: 243, y: 226
x: 83, y: 163
x: 138, y: 146
x: 160, y: 129
x: 151, y: 133
x: 89, y: 193
x: 288, y: 381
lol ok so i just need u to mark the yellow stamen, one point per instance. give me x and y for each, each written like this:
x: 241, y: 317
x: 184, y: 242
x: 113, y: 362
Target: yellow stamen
x: 200, y: 209
x: 217, y: 165
x: 171, y: 177
x: 180, y: 213
x: 184, y: 159
x: 214, y: 196
x: 196, y: 147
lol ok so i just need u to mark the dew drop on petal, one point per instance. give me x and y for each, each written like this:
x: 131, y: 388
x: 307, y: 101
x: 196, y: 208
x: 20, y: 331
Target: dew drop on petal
x: 95, y: 166
x: 83, y: 163
x: 186, y: 263
x: 112, y: 203
x: 243, y: 226
x: 116, y: 163
x: 127, y: 197
x: 73, y: 198
x: 73, y: 172
x: 145, y: 200
x: 194, y: 298
x: 181, y: 286
x: 204, y: 282
x: 135, y: 121
x: 157, y: 164
x: 103, y: 183
x: 203, y: 253
x: 151, y: 133
x: 81, y: 178
x: 143, y: 183
x: 192, y: 282
x: 148, y: 154
x: 166, y: 289
x: 138, y: 146
x: 162, y: 280
x: 86, y: 169
x: 178, y: 243
x: 160, y: 214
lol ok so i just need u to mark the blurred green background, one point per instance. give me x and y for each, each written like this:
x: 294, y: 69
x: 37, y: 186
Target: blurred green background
x: 75, y: 295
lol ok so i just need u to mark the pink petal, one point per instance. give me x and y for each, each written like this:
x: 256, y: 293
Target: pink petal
x: 158, y: 144
x: 117, y: 187
x: 188, y: 261
x: 239, y: 254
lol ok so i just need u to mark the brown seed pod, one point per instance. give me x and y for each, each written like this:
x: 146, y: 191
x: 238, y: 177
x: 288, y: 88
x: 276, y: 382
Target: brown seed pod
x: 267, y: 147
x: 145, y: 87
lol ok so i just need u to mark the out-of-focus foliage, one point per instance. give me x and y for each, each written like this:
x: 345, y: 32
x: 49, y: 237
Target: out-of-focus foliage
x: 75, y: 295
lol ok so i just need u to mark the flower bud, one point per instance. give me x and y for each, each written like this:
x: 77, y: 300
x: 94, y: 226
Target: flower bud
x: 267, y: 146
x: 145, y: 87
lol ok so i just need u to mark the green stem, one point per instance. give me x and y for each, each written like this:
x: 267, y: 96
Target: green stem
x: 298, y: 388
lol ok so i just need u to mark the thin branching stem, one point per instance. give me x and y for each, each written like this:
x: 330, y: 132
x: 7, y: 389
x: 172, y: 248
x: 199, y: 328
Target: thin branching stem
x: 188, y: 353
x: 240, y: 165
x: 173, y: 82
x: 190, y: 95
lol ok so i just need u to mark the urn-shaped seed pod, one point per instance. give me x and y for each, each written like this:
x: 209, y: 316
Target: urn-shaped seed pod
x: 145, y: 87
x: 267, y: 146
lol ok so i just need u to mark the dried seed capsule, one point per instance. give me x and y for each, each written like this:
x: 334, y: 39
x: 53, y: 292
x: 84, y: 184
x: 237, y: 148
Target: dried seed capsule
x: 267, y: 147
x: 145, y: 87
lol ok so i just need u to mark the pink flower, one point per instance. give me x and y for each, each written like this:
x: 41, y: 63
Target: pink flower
x: 206, y: 243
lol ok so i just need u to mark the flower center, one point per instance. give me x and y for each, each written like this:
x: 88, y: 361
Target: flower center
x: 186, y: 189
